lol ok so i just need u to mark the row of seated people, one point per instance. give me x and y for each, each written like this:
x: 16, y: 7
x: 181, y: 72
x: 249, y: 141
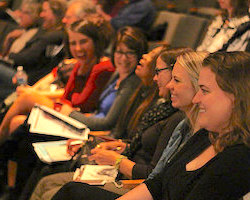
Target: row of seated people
x: 227, y: 32
x: 152, y: 110
x: 207, y: 165
x: 202, y: 151
x: 133, y: 43
x: 120, y: 54
x: 39, y: 49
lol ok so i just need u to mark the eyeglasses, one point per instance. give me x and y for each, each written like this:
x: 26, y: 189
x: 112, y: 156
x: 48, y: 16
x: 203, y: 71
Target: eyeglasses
x: 157, y: 71
x: 128, y: 54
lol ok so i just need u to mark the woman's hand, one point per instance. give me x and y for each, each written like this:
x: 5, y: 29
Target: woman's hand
x: 66, y: 109
x: 104, y: 157
x: 73, y: 145
x: 117, y: 146
x: 24, y: 89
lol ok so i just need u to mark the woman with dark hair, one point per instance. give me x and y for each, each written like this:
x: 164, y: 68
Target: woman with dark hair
x: 214, y: 165
x: 130, y: 44
x: 229, y: 31
x: 86, y: 80
x: 149, y: 137
x: 128, y: 47
x: 186, y: 72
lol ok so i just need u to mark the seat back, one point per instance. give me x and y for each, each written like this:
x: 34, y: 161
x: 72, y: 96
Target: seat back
x: 172, y: 19
x: 190, y: 31
x: 183, y: 30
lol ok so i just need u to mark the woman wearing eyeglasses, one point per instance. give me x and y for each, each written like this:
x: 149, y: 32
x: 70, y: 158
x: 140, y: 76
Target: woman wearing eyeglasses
x: 148, y: 133
x: 129, y: 46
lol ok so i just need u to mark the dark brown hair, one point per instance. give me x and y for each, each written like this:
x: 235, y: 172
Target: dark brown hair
x: 169, y: 56
x: 99, y: 30
x: 151, y: 95
x: 133, y: 38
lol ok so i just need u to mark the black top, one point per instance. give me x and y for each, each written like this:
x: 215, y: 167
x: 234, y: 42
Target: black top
x: 153, y: 142
x: 41, y: 54
x: 226, y: 176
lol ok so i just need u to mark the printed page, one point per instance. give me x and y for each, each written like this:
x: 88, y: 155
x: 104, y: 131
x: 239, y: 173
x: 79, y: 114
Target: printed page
x: 44, y: 123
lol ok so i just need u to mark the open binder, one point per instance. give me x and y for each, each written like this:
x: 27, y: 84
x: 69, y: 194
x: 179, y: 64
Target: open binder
x: 44, y: 120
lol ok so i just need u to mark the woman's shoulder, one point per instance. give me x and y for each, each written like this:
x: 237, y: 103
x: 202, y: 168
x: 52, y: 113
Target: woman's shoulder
x: 131, y: 80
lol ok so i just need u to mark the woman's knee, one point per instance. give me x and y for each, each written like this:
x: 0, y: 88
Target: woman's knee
x: 16, y: 122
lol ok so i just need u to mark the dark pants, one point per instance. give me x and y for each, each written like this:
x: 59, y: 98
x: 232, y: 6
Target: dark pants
x: 77, y: 190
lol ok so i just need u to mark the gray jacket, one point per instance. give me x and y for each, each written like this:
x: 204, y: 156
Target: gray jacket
x: 126, y: 89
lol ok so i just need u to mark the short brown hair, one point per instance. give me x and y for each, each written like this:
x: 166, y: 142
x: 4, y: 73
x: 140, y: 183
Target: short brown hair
x: 133, y: 38
x: 99, y: 30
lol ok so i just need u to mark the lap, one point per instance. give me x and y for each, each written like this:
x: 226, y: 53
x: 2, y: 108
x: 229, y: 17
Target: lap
x: 49, y: 185
x: 78, y: 190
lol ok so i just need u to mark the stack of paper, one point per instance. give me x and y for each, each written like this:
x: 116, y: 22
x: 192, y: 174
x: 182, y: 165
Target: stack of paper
x: 44, y: 120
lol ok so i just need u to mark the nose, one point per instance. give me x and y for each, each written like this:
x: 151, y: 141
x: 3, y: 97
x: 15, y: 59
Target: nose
x: 196, y: 98
x: 123, y: 57
x: 78, y: 46
x: 155, y: 78
x: 41, y: 14
x: 170, y: 85
x: 64, y: 20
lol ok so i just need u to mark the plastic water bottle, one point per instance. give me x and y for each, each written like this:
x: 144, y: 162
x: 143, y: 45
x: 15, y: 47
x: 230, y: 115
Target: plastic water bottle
x: 21, y: 76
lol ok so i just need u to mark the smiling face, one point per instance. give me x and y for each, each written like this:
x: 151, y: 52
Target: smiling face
x: 145, y: 70
x: 163, y: 77
x: 215, y: 105
x: 125, y: 59
x: 49, y: 19
x: 181, y: 89
x: 81, y: 47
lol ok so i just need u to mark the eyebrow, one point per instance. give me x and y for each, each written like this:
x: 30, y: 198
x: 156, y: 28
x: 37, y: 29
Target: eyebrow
x: 203, y: 86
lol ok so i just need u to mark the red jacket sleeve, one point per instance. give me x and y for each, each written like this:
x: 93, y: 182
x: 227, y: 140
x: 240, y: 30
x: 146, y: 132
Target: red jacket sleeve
x: 93, y: 82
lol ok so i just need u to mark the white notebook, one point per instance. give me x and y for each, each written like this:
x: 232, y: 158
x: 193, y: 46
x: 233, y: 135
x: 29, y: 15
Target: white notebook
x: 44, y: 120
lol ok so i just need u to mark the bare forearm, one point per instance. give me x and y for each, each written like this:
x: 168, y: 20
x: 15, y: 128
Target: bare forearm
x: 126, y: 167
x: 52, y: 95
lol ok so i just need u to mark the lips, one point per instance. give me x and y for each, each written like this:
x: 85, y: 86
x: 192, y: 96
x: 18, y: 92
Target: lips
x: 172, y: 97
x: 202, y: 110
